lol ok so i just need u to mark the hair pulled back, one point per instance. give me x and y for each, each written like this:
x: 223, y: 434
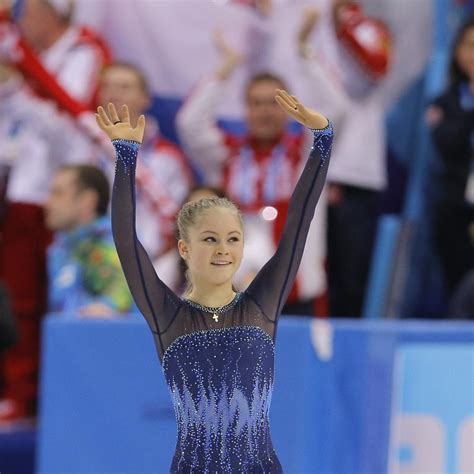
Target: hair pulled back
x: 191, y: 211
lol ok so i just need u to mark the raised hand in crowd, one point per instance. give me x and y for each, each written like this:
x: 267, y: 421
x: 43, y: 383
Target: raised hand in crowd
x: 230, y: 57
x: 309, y: 21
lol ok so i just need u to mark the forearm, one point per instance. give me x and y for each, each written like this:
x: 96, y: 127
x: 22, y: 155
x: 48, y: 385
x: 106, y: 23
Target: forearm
x: 330, y: 97
x: 304, y: 199
x: 277, y: 276
x: 202, y: 139
x: 147, y: 290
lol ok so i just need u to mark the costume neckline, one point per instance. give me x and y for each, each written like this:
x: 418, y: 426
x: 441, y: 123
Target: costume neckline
x: 216, y: 309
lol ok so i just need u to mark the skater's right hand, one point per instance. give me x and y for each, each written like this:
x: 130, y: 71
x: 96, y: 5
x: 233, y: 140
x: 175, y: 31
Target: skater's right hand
x: 120, y: 127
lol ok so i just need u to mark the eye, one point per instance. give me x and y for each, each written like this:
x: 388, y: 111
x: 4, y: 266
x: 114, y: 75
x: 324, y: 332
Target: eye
x: 234, y: 239
x: 210, y: 239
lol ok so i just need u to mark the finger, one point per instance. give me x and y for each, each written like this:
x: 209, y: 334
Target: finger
x: 141, y: 125
x: 103, y: 116
x: 100, y: 122
x: 284, y: 105
x: 125, y: 114
x: 299, y: 106
x: 290, y: 110
x: 113, y: 113
x: 287, y: 98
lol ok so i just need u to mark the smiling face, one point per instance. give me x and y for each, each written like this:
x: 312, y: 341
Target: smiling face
x: 213, y: 247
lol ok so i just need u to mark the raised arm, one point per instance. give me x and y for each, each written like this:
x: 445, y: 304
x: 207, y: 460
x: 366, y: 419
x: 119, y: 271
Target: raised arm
x: 203, y: 141
x: 271, y: 286
x: 155, y: 300
x: 330, y: 97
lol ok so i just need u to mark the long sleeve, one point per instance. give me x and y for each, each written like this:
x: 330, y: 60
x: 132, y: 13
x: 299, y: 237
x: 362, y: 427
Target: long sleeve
x: 203, y: 141
x: 155, y: 300
x: 271, y: 286
x: 331, y: 98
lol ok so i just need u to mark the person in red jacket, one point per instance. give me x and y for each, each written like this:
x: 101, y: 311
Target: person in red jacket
x: 259, y: 170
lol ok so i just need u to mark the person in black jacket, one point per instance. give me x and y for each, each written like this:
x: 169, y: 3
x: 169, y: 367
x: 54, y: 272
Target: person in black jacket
x: 451, y: 117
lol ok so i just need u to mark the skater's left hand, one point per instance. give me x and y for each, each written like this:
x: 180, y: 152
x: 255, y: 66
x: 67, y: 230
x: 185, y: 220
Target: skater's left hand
x: 292, y: 106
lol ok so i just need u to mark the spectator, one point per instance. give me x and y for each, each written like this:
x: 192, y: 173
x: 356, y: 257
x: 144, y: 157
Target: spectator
x: 258, y: 171
x: 357, y: 173
x: 84, y: 272
x: 452, y: 120
x: 163, y: 176
x: 35, y: 140
x: 73, y: 54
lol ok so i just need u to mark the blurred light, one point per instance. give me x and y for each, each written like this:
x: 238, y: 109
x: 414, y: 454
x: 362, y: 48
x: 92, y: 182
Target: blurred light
x: 269, y: 213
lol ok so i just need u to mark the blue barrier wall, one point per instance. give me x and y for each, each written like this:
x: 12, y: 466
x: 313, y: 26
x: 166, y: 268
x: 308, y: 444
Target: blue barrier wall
x: 105, y: 406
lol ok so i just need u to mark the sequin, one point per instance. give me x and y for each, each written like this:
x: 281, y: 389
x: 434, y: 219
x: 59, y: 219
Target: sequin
x: 219, y: 370
x: 221, y: 383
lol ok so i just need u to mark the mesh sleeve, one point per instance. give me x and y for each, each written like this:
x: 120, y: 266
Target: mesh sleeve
x: 273, y: 283
x: 158, y: 304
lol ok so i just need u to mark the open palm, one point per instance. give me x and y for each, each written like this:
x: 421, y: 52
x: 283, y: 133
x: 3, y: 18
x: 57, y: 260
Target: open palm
x: 291, y: 105
x: 119, y: 127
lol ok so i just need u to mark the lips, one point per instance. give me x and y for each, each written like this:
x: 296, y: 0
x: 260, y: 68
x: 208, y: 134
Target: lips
x: 221, y: 263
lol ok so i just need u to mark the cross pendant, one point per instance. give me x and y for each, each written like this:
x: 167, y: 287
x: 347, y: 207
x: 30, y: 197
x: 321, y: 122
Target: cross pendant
x: 215, y: 317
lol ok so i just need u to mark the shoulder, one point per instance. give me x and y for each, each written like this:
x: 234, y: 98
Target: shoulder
x: 86, y: 37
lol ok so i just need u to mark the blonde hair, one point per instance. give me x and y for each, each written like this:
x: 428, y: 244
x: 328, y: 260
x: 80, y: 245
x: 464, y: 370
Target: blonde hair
x: 191, y: 211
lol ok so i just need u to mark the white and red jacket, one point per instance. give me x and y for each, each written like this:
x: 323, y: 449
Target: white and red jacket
x: 260, y: 181
x: 76, y: 60
x: 35, y: 139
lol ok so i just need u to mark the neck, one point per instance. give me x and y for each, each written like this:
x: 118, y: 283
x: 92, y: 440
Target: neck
x: 214, y: 297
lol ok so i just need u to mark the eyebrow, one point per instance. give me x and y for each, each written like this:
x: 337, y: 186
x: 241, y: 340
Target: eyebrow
x: 212, y: 232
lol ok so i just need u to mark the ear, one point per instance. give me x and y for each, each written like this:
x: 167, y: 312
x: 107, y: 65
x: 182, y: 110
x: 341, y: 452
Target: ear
x: 182, y: 248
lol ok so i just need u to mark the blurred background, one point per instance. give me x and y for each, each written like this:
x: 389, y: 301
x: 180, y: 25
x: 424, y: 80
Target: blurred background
x: 375, y: 351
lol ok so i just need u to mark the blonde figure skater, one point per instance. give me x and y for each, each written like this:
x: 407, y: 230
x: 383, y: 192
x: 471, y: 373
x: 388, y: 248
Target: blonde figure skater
x: 216, y: 346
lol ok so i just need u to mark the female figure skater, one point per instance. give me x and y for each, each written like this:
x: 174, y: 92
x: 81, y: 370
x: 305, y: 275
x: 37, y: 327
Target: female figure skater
x: 216, y: 346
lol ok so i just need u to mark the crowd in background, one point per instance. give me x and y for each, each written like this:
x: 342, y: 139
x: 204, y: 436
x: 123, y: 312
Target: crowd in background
x: 56, y: 169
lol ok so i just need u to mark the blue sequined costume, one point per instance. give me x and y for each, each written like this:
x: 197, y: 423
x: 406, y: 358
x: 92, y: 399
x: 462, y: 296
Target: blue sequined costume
x: 219, y: 372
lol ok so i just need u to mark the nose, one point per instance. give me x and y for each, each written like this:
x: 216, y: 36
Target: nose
x: 222, y: 250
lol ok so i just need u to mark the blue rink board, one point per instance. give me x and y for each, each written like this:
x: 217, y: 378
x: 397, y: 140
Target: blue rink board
x: 105, y: 407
